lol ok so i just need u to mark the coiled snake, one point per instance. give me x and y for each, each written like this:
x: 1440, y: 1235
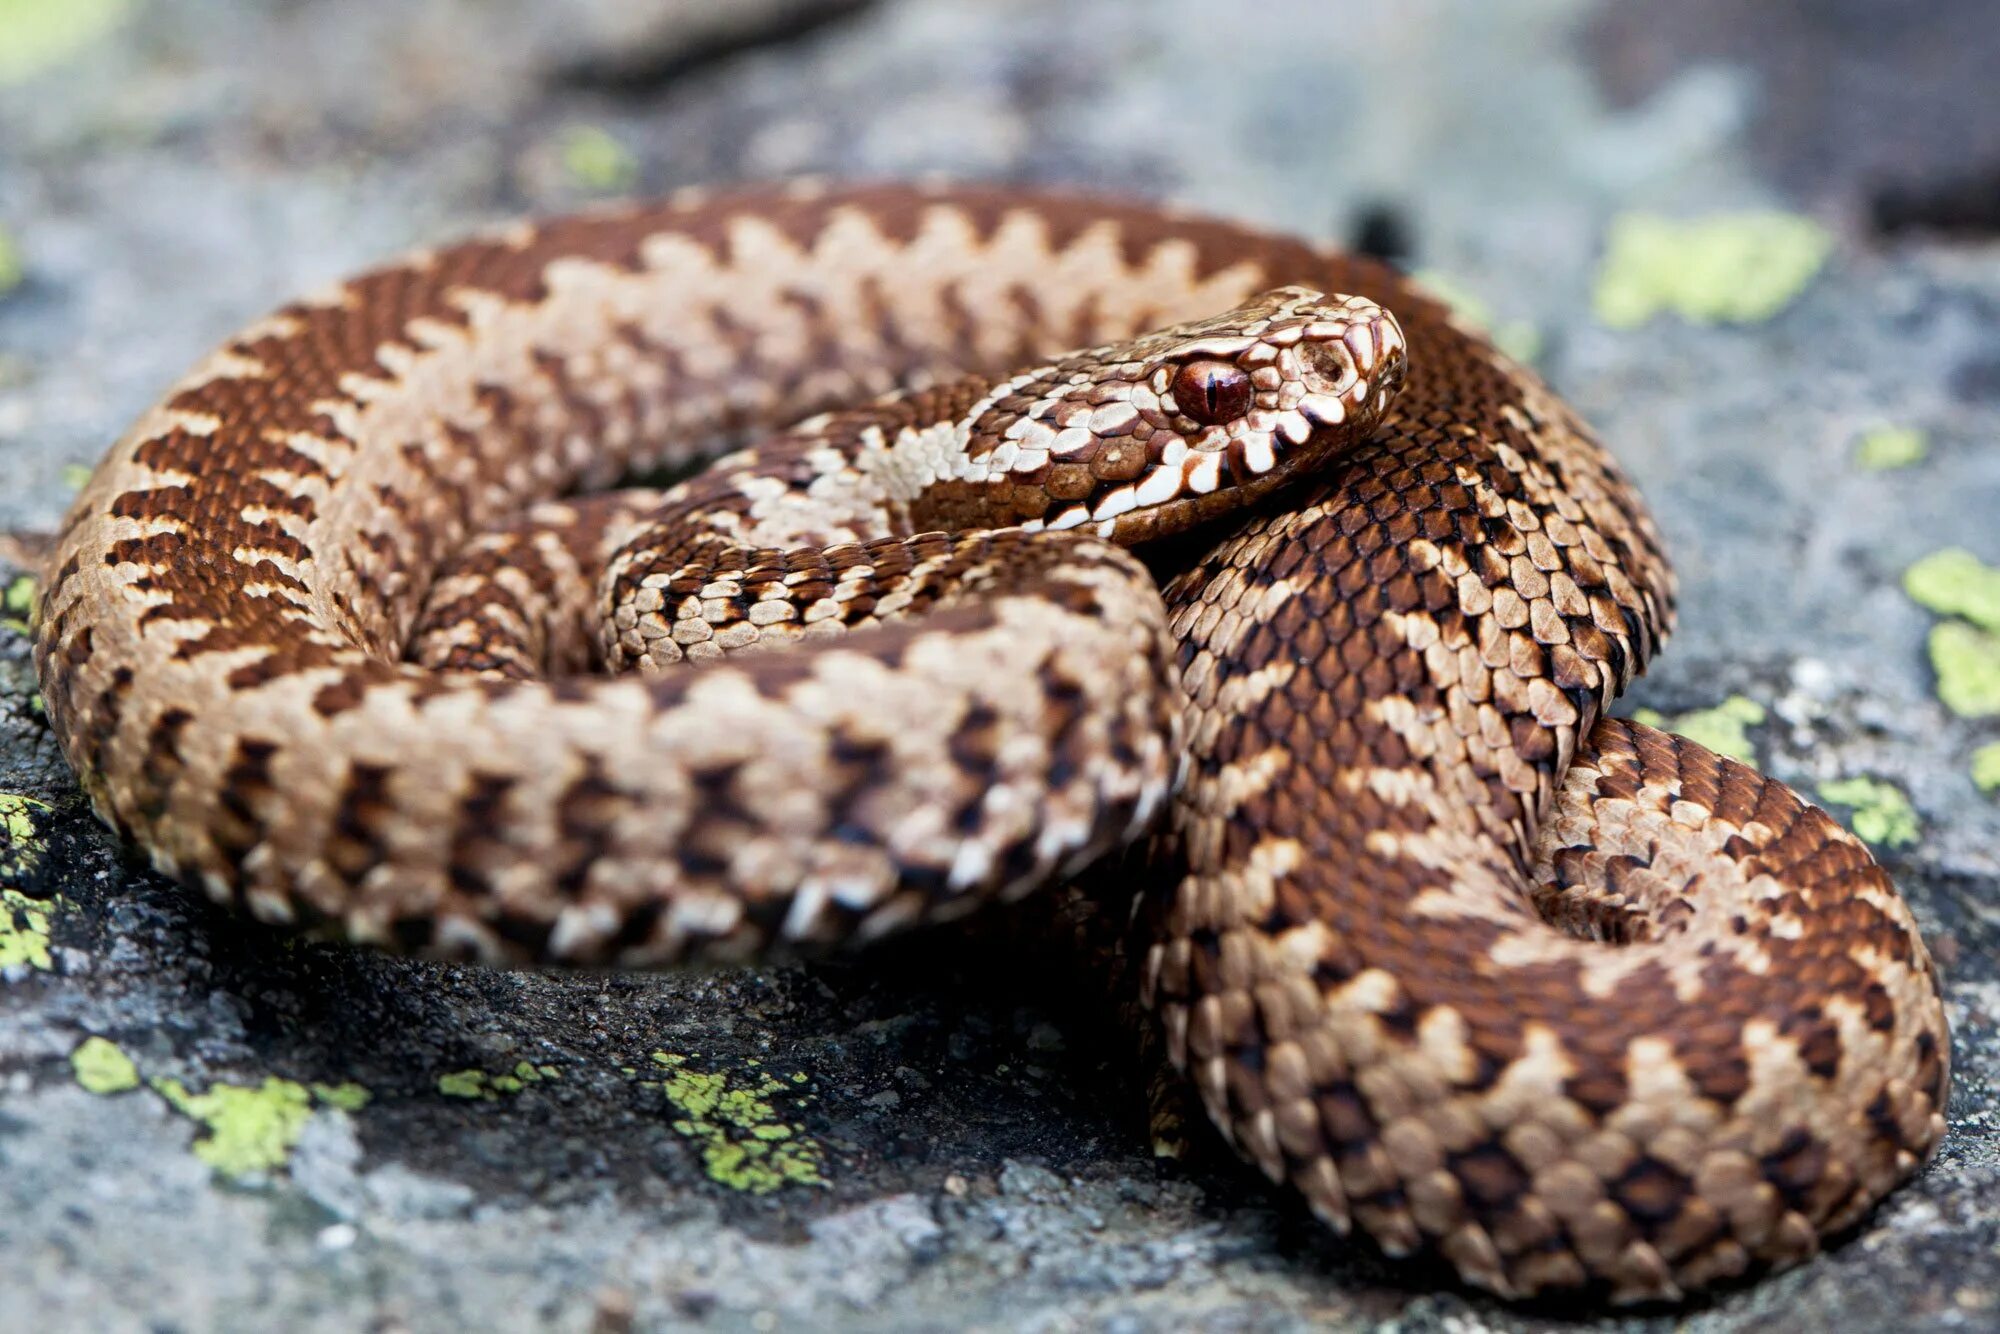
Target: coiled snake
x: 1466, y: 963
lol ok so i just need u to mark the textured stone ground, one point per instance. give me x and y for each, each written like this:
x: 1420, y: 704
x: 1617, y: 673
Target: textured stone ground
x: 203, y: 1126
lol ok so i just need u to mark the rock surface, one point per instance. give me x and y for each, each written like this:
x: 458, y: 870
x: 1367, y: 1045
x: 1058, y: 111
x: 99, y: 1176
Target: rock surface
x: 205, y: 1126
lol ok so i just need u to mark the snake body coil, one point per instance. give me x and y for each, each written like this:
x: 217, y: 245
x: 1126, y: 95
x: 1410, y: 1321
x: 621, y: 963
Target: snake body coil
x: 1572, y: 1001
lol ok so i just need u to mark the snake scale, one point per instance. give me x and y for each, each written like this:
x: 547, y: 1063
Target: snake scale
x: 1469, y: 965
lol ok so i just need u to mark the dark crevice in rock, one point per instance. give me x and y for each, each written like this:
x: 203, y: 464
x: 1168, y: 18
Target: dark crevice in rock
x: 1967, y: 204
x: 640, y: 68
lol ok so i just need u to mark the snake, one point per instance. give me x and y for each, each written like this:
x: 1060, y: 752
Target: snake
x: 1287, y: 578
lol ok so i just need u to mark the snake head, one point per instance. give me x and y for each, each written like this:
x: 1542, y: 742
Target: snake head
x: 1140, y: 439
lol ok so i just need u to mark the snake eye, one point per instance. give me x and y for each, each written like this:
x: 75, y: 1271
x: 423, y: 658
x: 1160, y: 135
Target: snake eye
x: 1212, y: 391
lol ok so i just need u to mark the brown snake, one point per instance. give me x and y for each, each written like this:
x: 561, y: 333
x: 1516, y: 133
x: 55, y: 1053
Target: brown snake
x: 1574, y: 1002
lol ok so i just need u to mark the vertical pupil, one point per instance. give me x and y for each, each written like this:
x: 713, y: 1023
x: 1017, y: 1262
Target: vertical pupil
x: 1212, y: 391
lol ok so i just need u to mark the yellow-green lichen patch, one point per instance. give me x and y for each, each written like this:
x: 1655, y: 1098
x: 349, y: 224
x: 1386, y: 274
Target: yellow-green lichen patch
x: 1519, y: 339
x: 1882, y: 448
x: 348, y: 1097
x: 1724, y: 729
x: 21, y: 849
x: 24, y: 931
x: 12, y: 271
x: 1986, y: 767
x: 36, y: 35
x: 745, y: 1145
x: 249, y: 1130
x: 1954, y: 582
x: 102, y: 1067
x: 463, y: 1084
x: 1882, y: 814
x: 479, y: 1084
x: 1967, y: 663
x: 1966, y: 657
x: 594, y: 160
x: 17, y: 603
x: 1734, y: 268
x: 252, y: 1130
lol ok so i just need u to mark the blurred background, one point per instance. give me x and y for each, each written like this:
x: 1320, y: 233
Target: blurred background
x: 1758, y: 245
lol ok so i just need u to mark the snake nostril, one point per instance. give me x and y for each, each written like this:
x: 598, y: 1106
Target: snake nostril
x: 1328, y: 361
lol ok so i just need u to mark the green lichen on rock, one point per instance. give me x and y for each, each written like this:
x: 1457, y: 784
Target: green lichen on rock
x: 17, y: 820
x: 102, y: 1067
x: 1883, y: 448
x: 12, y: 271
x: 463, y: 1084
x: 1731, y: 268
x: 1519, y: 339
x: 479, y: 1084
x: 1965, y: 653
x: 252, y: 1130
x: 24, y: 932
x: 17, y: 603
x: 1724, y: 729
x: 1967, y: 663
x: 1986, y: 767
x: 595, y: 160
x: 21, y: 849
x: 347, y: 1097
x: 1882, y: 815
x: 37, y: 35
x: 745, y: 1145
x: 24, y: 921
x: 1954, y: 582
x: 249, y: 1130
